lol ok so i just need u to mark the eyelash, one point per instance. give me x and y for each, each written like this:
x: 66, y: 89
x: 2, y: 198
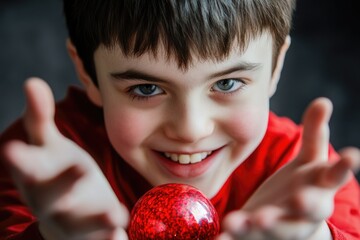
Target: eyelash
x: 237, y: 81
x: 134, y: 96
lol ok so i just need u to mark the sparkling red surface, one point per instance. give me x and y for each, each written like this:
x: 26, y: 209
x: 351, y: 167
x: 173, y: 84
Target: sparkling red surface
x: 173, y: 211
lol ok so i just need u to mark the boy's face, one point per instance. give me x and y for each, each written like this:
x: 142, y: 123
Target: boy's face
x: 159, y: 117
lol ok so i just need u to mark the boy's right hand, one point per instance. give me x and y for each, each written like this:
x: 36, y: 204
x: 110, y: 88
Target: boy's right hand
x: 297, y: 200
x: 59, y: 181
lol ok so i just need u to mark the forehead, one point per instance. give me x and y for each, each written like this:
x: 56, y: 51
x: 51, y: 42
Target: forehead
x: 258, y: 50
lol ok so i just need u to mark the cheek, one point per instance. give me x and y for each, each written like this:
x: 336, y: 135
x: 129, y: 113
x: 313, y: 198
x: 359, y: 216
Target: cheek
x: 248, y: 126
x: 249, y: 118
x: 126, y: 129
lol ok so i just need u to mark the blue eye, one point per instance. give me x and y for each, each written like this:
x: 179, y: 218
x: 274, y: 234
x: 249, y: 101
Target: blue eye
x: 144, y: 91
x: 228, y: 85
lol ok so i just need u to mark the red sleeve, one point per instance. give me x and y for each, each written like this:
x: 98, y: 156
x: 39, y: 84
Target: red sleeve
x: 16, y: 221
x: 30, y: 232
x: 345, y: 221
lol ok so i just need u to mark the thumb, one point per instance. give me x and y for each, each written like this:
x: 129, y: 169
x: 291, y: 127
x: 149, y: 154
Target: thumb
x: 40, y: 111
x: 316, y: 133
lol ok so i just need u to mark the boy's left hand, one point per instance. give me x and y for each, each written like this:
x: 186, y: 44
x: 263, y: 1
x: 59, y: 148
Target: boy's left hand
x: 295, y: 202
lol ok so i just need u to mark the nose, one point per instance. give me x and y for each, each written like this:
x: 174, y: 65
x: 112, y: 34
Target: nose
x: 189, y: 122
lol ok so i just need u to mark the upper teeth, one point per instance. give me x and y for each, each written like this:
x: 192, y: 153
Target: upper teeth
x: 187, y: 158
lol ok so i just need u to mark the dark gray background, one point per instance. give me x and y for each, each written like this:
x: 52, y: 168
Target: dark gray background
x: 324, y: 60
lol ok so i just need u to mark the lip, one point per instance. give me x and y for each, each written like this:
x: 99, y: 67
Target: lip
x: 187, y: 170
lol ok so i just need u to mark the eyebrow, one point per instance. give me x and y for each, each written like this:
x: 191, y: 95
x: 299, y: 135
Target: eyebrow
x: 132, y: 74
x: 135, y: 75
x: 243, y: 66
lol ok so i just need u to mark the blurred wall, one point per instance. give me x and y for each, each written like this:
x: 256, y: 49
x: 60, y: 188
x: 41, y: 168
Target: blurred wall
x: 323, y: 60
x: 32, y: 43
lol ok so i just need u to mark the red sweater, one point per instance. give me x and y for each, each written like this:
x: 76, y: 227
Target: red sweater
x: 79, y: 120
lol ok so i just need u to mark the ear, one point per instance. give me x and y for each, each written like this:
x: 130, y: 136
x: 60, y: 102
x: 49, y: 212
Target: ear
x: 279, y: 65
x: 91, y: 89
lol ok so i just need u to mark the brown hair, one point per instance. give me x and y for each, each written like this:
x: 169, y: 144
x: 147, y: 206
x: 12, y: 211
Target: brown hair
x: 206, y: 29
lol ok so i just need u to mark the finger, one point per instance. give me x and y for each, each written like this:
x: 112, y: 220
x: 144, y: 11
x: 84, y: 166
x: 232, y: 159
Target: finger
x: 351, y: 155
x: 120, y: 234
x: 22, y: 160
x: 34, y: 179
x: 313, y: 203
x: 236, y: 222
x: 337, y: 174
x: 62, y: 185
x: 92, y: 195
x: 40, y: 110
x: 315, y: 139
x: 89, y: 226
x: 86, y: 232
x: 32, y: 164
x: 266, y: 217
x: 224, y: 236
x: 290, y: 230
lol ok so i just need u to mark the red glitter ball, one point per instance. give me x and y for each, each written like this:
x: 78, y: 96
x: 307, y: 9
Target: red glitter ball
x: 173, y: 211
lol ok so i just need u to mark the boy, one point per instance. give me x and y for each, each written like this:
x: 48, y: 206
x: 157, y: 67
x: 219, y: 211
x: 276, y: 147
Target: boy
x: 175, y: 91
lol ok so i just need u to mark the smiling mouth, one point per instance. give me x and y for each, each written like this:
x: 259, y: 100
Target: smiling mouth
x: 187, y: 158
